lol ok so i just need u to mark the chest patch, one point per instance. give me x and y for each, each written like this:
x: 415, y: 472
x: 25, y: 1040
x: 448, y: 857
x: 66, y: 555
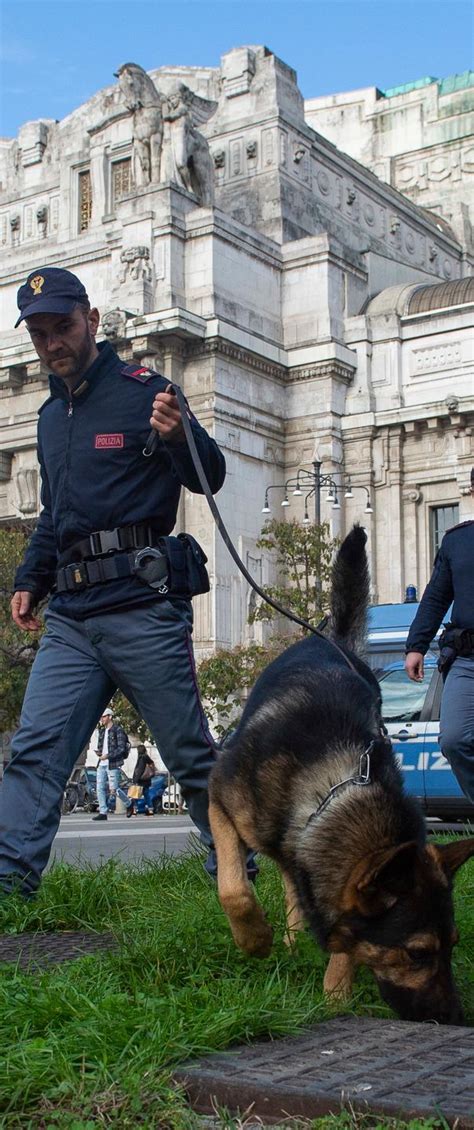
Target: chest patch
x: 108, y: 439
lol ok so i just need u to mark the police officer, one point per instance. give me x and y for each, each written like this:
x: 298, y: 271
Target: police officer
x: 452, y: 579
x: 120, y: 613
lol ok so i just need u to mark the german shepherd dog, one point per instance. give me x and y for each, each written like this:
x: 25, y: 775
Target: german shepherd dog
x: 309, y: 779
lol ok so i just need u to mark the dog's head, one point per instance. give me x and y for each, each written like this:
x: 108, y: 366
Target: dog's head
x: 398, y: 919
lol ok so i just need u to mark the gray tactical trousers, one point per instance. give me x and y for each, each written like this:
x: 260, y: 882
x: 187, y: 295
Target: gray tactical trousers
x: 145, y: 651
x: 456, y: 736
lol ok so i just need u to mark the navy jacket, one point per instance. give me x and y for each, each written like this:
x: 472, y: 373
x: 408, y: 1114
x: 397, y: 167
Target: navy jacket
x: 94, y: 476
x: 452, y: 579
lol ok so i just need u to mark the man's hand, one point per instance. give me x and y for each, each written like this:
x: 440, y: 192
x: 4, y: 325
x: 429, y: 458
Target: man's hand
x: 166, y: 417
x: 21, y: 606
x: 414, y: 666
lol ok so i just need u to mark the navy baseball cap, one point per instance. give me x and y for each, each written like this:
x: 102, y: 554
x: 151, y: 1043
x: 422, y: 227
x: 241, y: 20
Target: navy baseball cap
x: 50, y: 290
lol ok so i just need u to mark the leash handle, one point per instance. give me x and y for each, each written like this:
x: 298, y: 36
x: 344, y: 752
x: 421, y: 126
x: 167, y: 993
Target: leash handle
x: 148, y: 450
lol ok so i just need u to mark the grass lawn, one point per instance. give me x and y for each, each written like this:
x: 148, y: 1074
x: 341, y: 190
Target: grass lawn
x: 93, y: 1042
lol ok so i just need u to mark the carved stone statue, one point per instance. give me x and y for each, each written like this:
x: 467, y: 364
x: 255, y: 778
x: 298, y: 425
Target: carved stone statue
x: 189, y: 151
x: 113, y: 324
x: 144, y: 101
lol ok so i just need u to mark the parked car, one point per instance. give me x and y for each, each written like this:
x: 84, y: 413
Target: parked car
x: 172, y: 800
x: 387, y: 630
x: 411, y: 715
x: 156, y: 792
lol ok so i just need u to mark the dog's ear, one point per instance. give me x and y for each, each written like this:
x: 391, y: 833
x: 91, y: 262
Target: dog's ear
x: 387, y: 875
x: 452, y: 856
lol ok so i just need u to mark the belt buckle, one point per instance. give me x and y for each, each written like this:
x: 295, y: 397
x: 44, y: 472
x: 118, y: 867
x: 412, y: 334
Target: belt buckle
x: 75, y: 576
x: 146, y: 569
x: 104, y: 541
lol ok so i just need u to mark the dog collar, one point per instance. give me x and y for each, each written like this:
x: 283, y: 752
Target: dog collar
x: 361, y: 778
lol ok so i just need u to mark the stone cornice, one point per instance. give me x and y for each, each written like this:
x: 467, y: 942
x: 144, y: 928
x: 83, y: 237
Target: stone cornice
x: 333, y: 369
x: 218, y: 347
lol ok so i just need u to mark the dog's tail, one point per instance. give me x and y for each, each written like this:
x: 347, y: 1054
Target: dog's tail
x: 350, y: 591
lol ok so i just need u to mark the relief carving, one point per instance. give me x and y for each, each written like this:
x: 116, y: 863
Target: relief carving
x: 42, y: 220
x: 436, y: 357
x: 136, y: 262
x: 27, y: 490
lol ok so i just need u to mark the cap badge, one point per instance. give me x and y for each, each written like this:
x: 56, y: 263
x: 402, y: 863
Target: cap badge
x: 36, y: 284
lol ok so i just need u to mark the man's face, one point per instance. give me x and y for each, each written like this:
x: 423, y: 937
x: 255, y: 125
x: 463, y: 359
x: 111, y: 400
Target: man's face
x: 65, y: 342
x: 106, y: 719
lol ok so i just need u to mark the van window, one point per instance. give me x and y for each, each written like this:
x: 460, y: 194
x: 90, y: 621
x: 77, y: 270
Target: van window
x: 402, y: 700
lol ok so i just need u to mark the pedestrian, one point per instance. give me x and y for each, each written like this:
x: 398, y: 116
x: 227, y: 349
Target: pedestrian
x: 145, y: 770
x: 120, y: 587
x: 452, y: 580
x: 112, y: 749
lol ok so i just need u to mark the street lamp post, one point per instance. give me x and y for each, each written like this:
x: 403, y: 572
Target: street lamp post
x: 309, y: 483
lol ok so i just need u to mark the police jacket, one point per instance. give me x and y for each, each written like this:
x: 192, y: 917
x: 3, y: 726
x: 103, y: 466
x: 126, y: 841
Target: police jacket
x: 452, y: 579
x: 94, y: 476
x: 117, y: 744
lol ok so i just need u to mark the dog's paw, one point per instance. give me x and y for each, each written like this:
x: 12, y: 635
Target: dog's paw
x: 254, y: 939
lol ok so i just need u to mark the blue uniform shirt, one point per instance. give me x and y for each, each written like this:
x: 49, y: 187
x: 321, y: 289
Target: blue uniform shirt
x: 452, y: 579
x: 94, y: 476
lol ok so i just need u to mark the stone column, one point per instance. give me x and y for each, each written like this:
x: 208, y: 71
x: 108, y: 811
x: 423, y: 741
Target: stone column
x: 411, y: 497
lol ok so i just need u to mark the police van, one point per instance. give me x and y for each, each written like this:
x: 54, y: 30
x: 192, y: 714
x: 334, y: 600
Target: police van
x: 411, y: 712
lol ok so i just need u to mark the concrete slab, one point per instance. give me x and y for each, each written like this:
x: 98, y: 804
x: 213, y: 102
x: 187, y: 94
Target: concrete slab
x: 33, y: 951
x: 388, y: 1067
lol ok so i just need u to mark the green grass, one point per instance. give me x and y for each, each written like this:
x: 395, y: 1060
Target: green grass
x: 93, y: 1042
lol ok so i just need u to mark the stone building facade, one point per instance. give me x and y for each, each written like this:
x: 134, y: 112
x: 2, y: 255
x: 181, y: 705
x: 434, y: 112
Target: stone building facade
x: 418, y: 137
x: 314, y: 315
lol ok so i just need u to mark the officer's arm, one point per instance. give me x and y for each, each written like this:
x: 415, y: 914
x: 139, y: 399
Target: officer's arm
x: 434, y: 604
x: 37, y: 572
x: 166, y: 420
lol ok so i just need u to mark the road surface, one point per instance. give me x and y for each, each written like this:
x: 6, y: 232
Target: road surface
x: 81, y: 839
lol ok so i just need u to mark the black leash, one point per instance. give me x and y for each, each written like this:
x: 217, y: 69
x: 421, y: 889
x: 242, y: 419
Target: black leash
x: 152, y: 443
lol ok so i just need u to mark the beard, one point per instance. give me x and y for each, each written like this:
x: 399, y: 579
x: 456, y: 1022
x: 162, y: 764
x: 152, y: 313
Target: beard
x: 73, y: 364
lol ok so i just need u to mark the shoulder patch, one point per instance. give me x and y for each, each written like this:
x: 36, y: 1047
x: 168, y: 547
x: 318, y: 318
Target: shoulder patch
x: 137, y: 374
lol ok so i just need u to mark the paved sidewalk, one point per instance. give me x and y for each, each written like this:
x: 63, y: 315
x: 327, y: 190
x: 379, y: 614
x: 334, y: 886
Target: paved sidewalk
x: 389, y: 1067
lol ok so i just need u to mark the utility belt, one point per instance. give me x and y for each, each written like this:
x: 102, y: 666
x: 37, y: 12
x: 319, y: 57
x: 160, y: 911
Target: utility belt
x: 168, y: 564
x: 454, y: 642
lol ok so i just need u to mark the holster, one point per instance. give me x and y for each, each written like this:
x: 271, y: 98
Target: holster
x: 454, y: 642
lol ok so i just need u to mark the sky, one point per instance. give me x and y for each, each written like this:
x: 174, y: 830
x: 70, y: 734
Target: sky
x: 55, y: 54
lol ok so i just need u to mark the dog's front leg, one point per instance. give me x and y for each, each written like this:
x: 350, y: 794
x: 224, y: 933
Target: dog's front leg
x: 339, y: 976
x: 251, y: 931
x: 294, y: 915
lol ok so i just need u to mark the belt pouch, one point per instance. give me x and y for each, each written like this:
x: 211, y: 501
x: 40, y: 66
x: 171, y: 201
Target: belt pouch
x: 187, y: 565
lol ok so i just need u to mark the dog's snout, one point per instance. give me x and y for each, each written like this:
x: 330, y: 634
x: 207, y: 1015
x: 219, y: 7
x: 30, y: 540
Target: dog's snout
x: 440, y: 1005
